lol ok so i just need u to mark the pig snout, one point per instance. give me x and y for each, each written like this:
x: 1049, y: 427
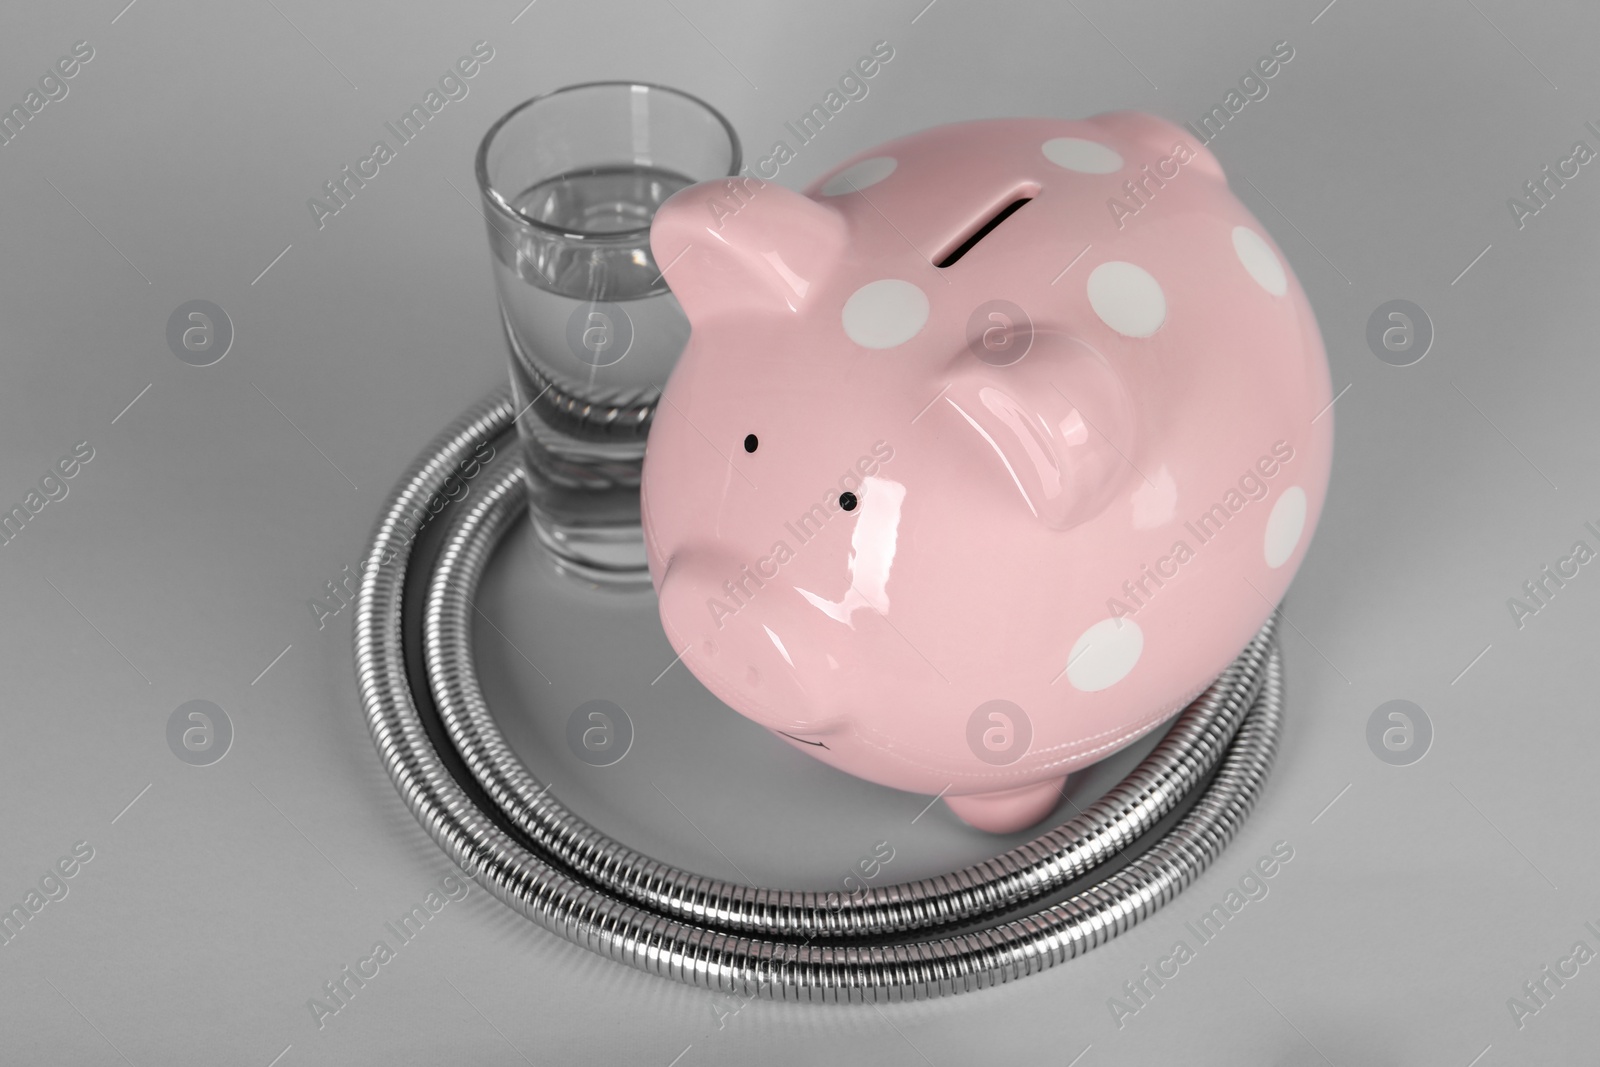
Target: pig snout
x: 742, y: 635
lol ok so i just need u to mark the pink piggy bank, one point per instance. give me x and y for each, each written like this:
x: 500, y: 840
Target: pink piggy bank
x: 986, y: 455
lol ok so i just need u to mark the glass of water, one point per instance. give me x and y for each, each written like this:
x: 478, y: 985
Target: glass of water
x: 570, y: 181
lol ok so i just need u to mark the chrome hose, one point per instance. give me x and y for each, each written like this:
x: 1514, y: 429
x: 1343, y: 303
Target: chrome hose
x: 544, y: 861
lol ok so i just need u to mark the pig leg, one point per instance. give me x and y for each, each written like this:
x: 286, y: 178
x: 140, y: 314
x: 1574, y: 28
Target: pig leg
x: 1008, y: 811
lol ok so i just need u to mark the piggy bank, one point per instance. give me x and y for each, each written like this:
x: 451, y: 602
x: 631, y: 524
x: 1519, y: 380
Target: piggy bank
x: 986, y: 455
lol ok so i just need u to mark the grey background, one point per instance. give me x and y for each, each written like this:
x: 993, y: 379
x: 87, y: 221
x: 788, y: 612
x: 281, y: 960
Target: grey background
x: 180, y: 565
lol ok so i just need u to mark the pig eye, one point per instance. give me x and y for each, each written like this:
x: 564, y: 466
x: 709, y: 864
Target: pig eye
x: 847, y: 501
x: 750, y: 442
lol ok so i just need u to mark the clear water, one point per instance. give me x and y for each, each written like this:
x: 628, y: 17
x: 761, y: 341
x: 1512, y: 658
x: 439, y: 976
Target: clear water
x: 601, y: 200
x: 592, y: 314
x: 546, y: 280
x: 611, y: 209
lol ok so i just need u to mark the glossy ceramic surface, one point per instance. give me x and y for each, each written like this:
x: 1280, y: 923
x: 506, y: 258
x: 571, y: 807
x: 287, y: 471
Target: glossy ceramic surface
x: 960, y: 517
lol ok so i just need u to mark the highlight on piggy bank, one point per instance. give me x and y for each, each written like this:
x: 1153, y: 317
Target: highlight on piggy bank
x: 986, y: 455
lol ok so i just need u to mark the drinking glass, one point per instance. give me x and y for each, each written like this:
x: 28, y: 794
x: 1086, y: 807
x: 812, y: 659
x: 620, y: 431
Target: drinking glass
x: 570, y: 181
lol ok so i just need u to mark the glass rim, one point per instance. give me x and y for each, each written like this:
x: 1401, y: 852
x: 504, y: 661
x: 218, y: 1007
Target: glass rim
x: 504, y: 206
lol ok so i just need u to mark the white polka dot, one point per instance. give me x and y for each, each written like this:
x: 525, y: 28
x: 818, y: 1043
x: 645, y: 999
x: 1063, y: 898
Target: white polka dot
x: 885, y: 313
x: 859, y: 175
x: 1127, y: 298
x: 1258, y: 258
x: 1088, y: 157
x: 1104, y: 654
x: 1285, y: 525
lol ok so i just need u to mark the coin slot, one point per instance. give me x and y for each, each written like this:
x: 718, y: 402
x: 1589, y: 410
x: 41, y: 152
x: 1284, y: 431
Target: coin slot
x: 984, y: 229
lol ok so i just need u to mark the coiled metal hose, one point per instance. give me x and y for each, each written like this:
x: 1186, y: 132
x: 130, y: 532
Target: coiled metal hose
x: 980, y: 926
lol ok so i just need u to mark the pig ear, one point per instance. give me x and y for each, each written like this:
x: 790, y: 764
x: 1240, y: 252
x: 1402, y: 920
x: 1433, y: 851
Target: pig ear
x: 741, y: 243
x: 1058, y: 428
x: 1157, y: 138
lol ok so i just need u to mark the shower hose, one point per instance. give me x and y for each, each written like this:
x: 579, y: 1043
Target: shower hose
x: 1054, y: 898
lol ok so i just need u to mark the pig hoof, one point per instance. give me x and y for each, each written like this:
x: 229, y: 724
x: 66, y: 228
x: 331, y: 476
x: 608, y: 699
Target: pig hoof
x: 1009, y: 811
